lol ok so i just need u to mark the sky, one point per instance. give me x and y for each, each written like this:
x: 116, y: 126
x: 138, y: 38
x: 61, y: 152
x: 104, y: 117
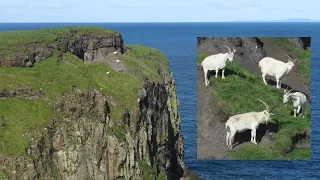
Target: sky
x: 156, y: 11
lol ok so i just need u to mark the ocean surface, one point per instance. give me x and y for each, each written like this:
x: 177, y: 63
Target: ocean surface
x: 178, y: 41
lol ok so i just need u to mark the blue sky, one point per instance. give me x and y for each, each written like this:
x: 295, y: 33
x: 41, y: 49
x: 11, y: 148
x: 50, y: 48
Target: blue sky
x: 156, y: 11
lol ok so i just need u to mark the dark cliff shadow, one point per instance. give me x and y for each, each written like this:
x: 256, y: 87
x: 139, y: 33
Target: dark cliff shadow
x: 259, y: 42
x: 306, y: 42
x: 274, y: 83
x: 245, y: 136
x: 306, y: 114
x: 81, y: 55
x: 175, y: 170
x: 227, y: 73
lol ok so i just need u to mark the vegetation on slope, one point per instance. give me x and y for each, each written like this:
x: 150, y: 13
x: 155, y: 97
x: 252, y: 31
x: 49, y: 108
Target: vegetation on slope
x: 23, y: 116
x: 237, y: 94
x: 303, y: 56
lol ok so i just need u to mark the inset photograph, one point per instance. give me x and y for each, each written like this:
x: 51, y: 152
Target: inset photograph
x: 254, y: 98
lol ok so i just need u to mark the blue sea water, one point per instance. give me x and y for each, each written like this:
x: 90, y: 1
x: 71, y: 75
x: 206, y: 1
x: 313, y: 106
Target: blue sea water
x: 178, y: 41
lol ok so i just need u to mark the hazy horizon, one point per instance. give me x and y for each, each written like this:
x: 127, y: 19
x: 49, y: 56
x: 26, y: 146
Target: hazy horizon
x: 158, y: 11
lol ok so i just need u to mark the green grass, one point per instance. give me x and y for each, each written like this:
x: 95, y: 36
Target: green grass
x: 21, y: 116
x: 300, y: 154
x: 146, y: 61
x: 118, y: 131
x: 29, y: 115
x: 303, y: 56
x: 14, y: 41
x: 73, y: 71
x: 147, y: 171
x: 200, y: 58
x: 237, y: 94
x: 162, y: 176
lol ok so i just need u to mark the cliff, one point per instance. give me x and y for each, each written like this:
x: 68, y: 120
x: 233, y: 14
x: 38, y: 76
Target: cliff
x: 286, y: 138
x: 102, y: 119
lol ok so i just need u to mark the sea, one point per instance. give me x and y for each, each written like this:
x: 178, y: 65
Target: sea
x: 178, y: 41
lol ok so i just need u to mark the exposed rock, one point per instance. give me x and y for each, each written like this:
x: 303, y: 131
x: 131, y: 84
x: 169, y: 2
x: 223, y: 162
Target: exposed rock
x: 38, y: 51
x: 83, y: 141
x: 90, y: 47
x: 18, y: 59
x: 82, y: 144
x: 27, y: 93
x: 301, y: 43
x: 248, y: 50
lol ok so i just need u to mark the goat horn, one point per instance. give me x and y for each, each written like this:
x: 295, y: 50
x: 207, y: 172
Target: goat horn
x: 267, y: 107
x: 290, y: 91
x: 228, y: 48
x: 288, y: 57
x: 273, y: 107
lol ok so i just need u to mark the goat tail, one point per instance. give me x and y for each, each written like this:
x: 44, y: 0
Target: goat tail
x: 259, y: 64
x: 228, y: 128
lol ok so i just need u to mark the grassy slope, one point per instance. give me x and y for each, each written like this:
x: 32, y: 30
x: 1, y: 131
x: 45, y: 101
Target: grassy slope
x: 23, y: 116
x: 303, y: 56
x: 237, y: 94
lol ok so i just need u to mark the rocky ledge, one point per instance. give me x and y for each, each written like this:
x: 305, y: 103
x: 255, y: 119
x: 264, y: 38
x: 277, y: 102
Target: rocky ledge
x: 83, y: 139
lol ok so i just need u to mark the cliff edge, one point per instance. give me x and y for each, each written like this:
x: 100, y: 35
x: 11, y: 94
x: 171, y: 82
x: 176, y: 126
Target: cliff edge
x: 71, y: 108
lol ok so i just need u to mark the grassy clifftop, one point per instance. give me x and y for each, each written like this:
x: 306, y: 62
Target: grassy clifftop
x: 15, y: 41
x: 23, y: 116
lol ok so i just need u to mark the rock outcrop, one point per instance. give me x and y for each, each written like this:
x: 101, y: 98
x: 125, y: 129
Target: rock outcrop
x: 90, y: 47
x: 86, y: 45
x: 83, y: 141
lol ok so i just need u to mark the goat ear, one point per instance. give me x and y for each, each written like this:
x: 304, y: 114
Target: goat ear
x: 271, y: 114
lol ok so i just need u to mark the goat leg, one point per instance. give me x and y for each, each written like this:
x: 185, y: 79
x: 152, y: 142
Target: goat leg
x: 223, y: 74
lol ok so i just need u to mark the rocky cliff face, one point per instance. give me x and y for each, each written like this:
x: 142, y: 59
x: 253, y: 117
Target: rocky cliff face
x: 90, y: 47
x: 249, y: 49
x: 86, y: 46
x: 83, y: 141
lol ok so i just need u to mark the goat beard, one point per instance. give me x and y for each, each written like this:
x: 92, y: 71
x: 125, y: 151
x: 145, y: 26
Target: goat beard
x: 268, y: 120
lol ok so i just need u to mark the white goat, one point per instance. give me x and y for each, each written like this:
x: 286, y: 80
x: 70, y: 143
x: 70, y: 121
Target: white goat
x: 216, y: 62
x: 299, y: 101
x: 273, y: 67
x: 116, y: 52
x: 245, y: 121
